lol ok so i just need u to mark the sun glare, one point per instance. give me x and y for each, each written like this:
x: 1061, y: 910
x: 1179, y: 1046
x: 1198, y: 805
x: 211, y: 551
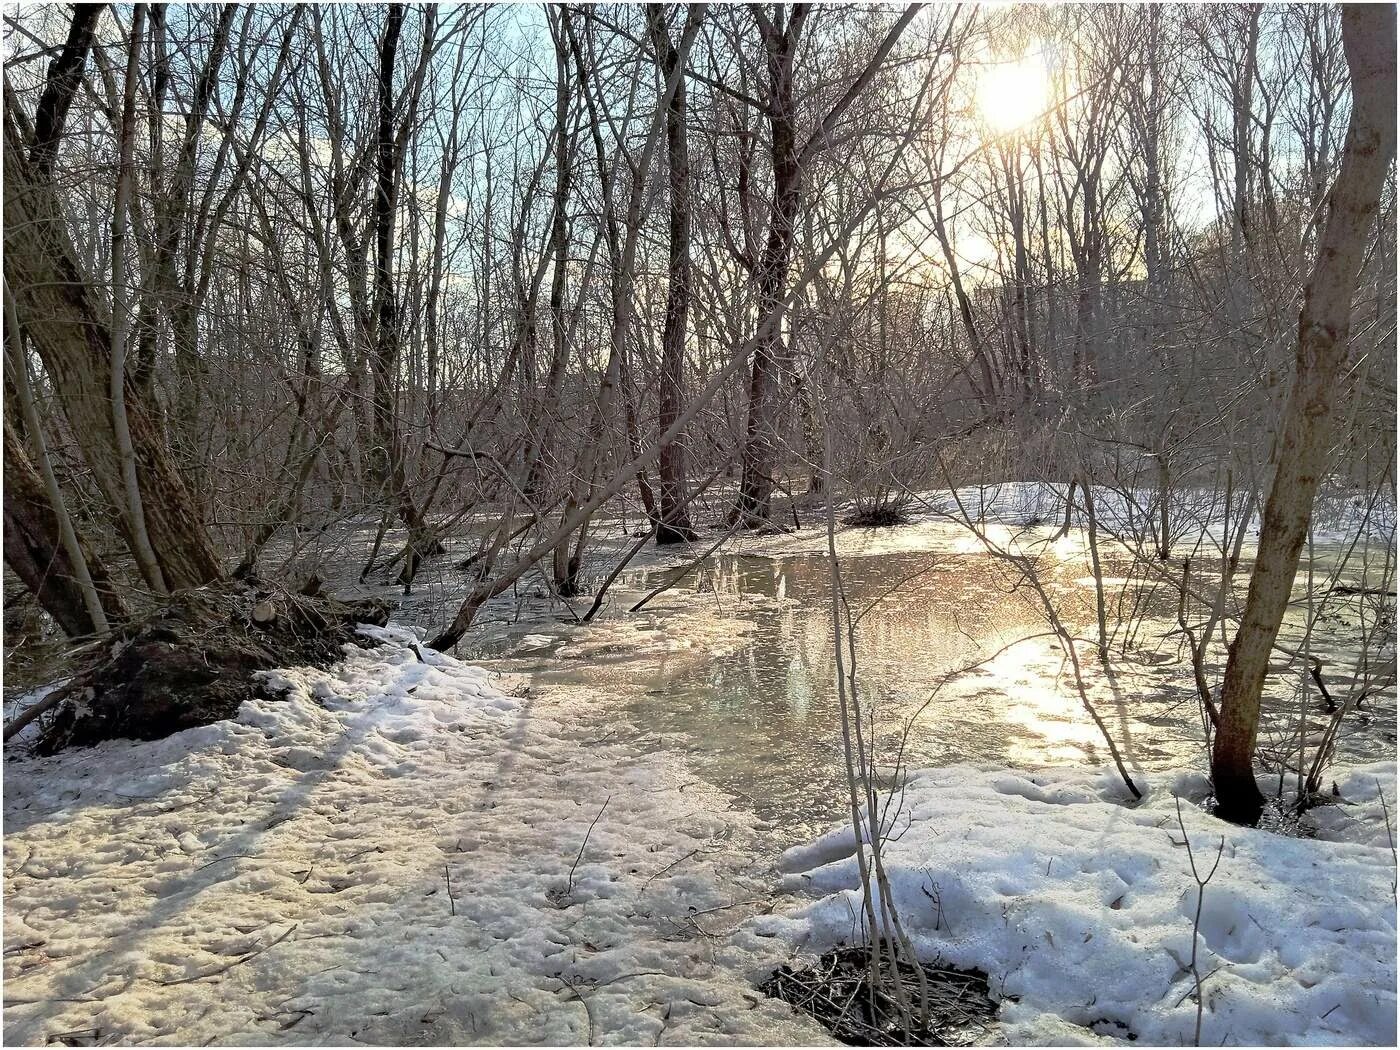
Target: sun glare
x: 1013, y: 94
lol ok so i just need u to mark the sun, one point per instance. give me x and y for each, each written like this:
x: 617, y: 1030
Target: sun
x: 1013, y: 94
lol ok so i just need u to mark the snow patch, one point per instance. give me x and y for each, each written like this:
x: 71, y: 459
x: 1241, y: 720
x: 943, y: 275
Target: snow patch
x: 393, y: 853
x: 1080, y: 907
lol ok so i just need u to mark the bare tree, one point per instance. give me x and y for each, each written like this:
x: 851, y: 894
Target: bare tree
x: 674, y: 521
x: 1368, y: 36
x: 65, y: 323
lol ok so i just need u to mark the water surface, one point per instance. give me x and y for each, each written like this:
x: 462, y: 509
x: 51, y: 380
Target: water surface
x: 734, y: 666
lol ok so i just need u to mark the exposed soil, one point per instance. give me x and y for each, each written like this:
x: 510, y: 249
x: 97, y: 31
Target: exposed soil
x: 195, y: 660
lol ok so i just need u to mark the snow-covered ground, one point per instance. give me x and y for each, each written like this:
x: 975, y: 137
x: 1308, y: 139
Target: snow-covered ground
x: 285, y: 878
x: 1080, y: 908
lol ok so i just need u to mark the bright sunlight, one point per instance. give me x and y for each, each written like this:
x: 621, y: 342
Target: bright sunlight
x: 1013, y: 94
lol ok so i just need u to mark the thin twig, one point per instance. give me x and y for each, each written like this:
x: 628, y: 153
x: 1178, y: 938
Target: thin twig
x: 584, y: 846
x: 1201, y: 884
x: 237, y: 962
x: 1389, y: 835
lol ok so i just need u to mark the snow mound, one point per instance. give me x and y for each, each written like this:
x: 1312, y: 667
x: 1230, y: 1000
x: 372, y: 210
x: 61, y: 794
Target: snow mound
x: 1080, y: 908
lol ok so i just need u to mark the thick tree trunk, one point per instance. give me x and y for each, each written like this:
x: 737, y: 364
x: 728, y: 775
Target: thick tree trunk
x: 34, y: 548
x: 65, y: 325
x: 50, y: 515
x: 761, y: 429
x: 1368, y: 35
x: 674, y: 524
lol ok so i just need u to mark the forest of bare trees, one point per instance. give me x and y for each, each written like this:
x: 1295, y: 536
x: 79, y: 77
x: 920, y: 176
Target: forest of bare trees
x: 274, y: 271
x: 1085, y: 313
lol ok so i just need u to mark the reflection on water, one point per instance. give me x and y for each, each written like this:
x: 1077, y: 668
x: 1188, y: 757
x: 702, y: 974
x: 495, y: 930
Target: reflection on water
x: 734, y: 666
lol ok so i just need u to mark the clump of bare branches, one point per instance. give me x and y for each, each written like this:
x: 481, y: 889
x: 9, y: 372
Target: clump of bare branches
x: 838, y: 991
x: 882, y: 514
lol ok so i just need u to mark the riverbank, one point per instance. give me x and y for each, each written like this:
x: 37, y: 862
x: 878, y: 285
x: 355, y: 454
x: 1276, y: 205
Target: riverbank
x: 571, y: 834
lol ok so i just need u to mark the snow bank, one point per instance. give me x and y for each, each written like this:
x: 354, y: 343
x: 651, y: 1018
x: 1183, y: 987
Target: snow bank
x: 1337, y: 515
x: 1080, y: 908
x: 394, y: 854
x: 1004, y: 509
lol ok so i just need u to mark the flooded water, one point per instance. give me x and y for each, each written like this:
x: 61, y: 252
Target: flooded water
x: 734, y: 666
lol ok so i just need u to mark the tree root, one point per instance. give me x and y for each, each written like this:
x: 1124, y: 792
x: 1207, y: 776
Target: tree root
x: 195, y: 660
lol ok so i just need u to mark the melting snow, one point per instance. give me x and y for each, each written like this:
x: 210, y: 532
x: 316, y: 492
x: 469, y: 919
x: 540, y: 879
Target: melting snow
x: 397, y: 852
x: 285, y: 878
x: 1080, y: 908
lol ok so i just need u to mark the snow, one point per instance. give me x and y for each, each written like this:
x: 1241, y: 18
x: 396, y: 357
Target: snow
x: 1008, y: 509
x: 283, y: 877
x: 1080, y: 907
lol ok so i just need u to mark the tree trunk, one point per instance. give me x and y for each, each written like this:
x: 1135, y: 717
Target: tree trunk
x: 384, y: 351
x: 761, y: 429
x: 1368, y: 36
x: 674, y: 525
x: 388, y: 472
x: 64, y: 77
x: 123, y: 312
x: 34, y: 548
x: 760, y: 459
x: 65, y: 324
x: 543, y: 421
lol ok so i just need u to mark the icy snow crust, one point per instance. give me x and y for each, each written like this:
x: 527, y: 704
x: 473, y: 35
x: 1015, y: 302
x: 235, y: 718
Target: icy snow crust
x: 284, y: 878
x: 1080, y: 908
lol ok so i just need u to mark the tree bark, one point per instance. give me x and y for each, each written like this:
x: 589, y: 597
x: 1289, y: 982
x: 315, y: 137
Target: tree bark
x: 674, y: 524
x: 34, y: 548
x: 788, y: 158
x: 122, y: 314
x: 64, y: 77
x: 383, y: 355
x: 1368, y: 37
x: 543, y: 420
x: 64, y: 322
x: 388, y: 460
x: 761, y: 427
